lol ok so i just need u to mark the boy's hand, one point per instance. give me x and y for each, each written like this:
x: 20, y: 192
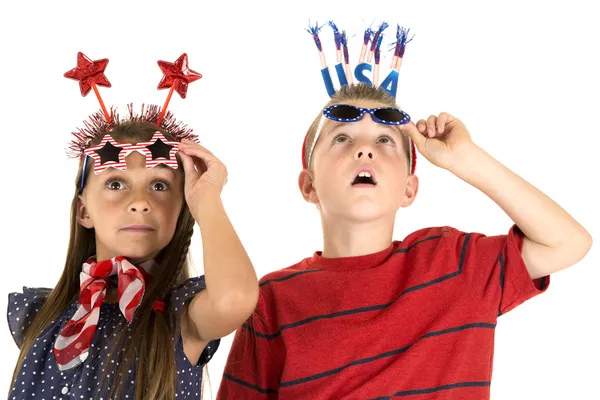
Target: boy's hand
x: 443, y: 140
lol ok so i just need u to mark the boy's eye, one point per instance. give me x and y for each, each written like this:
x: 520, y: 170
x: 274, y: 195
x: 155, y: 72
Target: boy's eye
x: 341, y: 139
x: 160, y: 186
x: 385, y: 140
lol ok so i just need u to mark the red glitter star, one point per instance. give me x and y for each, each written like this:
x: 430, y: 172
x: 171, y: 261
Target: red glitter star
x: 88, y: 72
x: 177, y: 75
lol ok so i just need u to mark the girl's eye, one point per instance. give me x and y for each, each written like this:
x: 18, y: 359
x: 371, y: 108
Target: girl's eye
x: 115, y: 185
x: 160, y: 186
x: 385, y: 139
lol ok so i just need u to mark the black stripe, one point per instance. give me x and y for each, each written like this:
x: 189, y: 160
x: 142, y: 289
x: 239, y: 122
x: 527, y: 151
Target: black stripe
x: 463, y: 253
x: 435, y: 389
x: 501, y: 260
x: 248, y: 385
x: 405, y: 249
x: 369, y: 308
x: 402, y: 250
x: 259, y: 334
x: 285, y: 278
x: 387, y: 353
x: 349, y: 312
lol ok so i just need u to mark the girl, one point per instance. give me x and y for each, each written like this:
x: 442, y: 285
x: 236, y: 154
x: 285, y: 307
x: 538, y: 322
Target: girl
x: 125, y: 319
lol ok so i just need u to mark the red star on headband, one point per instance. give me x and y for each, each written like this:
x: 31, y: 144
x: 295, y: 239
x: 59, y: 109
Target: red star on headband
x: 88, y: 72
x: 177, y: 74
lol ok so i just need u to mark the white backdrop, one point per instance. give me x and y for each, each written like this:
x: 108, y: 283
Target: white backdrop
x: 522, y: 76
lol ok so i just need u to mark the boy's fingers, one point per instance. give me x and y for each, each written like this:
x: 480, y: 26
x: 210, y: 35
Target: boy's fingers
x: 431, y: 126
x: 441, y: 123
x: 413, y: 132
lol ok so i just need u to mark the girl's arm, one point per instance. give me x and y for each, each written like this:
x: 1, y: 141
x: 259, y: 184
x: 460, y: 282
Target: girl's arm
x: 231, y: 290
x: 231, y: 284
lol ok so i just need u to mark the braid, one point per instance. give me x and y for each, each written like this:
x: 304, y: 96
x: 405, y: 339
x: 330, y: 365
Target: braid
x: 186, y: 245
x: 187, y: 226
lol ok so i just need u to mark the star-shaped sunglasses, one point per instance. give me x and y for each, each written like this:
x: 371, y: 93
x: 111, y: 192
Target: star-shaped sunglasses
x: 350, y: 113
x: 109, y: 153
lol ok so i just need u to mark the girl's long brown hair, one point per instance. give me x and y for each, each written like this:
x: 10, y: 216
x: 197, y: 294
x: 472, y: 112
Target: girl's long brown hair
x: 149, y: 343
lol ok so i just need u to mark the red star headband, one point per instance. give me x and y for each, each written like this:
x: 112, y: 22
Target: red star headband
x: 90, y: 74
x: 368, y: 54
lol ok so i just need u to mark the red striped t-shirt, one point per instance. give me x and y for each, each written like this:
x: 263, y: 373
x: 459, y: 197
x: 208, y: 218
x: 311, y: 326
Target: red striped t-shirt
x: 416, y: 320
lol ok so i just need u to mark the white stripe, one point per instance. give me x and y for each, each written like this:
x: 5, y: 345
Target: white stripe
x: 115, y: 267
x: 86, y: 269
x: 95, y: 296
x: 64, y: 341
x: 83, y: 276
x: 82, y: 312
x: 132, y: 289
x: 125, y: 265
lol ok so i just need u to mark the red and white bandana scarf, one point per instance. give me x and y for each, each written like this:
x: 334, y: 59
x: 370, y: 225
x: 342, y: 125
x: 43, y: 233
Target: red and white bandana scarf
x: 72, y: 344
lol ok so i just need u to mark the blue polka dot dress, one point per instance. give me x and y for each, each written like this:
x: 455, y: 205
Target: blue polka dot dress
x: 39, y: 376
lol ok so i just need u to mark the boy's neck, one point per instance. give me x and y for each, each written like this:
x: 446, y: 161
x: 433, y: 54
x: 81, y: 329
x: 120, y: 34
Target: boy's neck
x: 350, y: 239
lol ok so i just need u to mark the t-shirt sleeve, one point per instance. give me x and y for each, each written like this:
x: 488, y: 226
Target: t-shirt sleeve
x: 180, y: 296
x: 494, y: 269
x: 22, y: 309
x: 255, y: 362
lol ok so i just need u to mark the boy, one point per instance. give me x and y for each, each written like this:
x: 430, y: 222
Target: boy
x: 369, y: 317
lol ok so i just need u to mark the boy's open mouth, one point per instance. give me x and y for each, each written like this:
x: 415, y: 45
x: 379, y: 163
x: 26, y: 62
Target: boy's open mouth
x: 364, y: 178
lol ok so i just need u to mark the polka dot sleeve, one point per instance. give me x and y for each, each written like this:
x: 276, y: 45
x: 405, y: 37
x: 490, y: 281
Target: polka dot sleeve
x: 22, y: 308
x: 182, y: 295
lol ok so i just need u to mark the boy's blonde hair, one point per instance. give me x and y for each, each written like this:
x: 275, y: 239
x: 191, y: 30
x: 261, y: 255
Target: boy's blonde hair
x: 360, y: 91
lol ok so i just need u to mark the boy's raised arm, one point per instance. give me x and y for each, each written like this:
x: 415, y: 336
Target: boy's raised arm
x: 554, y: 240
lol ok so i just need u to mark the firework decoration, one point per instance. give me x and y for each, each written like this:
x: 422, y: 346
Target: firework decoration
x: 314, y: 31
x: 346, y: 57
x: 369, y: 59
x: 376, y: 40
x: 366, y: 39
x: 337, y: 36
x: 109, y: 153
x: 399, y: 47
x: 377, y: 59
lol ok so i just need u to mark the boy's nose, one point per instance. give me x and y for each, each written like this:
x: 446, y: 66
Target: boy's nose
x: 363, y: 153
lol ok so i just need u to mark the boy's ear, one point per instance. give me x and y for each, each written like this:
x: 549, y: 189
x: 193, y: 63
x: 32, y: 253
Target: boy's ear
x: 305, y: 183
x: 82, y: 215
x: 410, y: 190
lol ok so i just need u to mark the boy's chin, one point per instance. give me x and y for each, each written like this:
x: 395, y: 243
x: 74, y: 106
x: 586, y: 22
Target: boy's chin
x: 361, y: 213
